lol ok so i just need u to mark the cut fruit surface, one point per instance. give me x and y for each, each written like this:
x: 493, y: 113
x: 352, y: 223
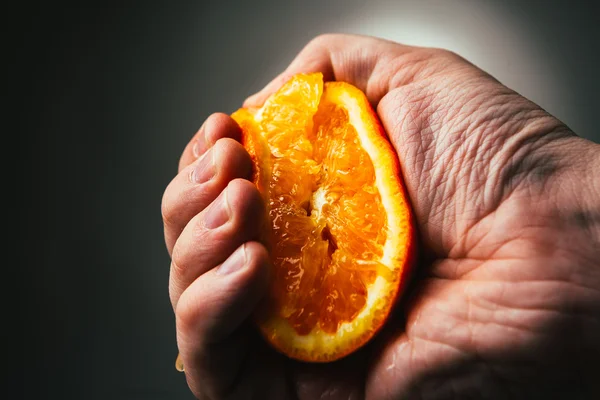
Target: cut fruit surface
x: 341, y: 234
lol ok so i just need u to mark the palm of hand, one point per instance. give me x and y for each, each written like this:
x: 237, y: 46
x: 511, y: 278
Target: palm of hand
x: 488, y: 306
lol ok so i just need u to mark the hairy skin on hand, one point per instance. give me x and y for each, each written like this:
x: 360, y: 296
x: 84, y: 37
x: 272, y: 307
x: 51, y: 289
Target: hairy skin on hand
x: 506, y: 300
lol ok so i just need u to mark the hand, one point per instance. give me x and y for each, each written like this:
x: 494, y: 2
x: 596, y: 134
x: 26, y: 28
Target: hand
x: 506, y: 301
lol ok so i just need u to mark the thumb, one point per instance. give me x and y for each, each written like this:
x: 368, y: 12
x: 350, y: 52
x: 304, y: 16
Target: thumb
x: 355, y: 59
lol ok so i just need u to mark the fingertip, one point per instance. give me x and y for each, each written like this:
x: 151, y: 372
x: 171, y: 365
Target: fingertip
x: 215, y: 127
x: 232, y: 159
x: 246, y: 202
x: 220, y: 125
x: 251, y: 260
x: 242, y: 191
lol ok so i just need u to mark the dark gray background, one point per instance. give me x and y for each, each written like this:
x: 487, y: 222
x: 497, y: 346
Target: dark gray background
x: 109, y: 96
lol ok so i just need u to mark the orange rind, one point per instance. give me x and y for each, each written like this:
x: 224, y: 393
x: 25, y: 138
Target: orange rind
x: 341, y: 233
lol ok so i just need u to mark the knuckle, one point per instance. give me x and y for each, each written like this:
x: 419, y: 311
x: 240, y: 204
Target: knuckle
x: 192, y: 310
x: 200, y: 234
x: 168, y: 209
x: 189, y: 250
x: 443, y: 56
x: 327, y: 40
x: 178, y: 262
x: 186, y: 314
x: 322, y: 39
x: 444, y: 53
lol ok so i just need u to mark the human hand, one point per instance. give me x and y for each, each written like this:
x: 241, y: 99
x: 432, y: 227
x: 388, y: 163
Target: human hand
x: 506, y: 301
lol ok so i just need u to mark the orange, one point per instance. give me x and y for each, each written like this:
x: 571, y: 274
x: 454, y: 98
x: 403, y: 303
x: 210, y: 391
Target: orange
x: 341, y: 232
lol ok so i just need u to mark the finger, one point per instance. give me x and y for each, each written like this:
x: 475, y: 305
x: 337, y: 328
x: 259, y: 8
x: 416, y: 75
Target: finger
x: 217, y: 126
x: 210, y: 311
x: 236, y: 216
x: 350, y: 58
x: 197, y: 185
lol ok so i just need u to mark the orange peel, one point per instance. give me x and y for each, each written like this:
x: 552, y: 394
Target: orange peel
x: 341, y: 232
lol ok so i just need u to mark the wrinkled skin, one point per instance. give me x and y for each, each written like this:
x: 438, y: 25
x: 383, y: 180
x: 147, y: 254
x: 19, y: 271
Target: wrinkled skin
x: 505, y: 302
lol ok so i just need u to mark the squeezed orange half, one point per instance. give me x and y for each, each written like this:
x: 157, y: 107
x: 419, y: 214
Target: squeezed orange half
x: 341, y: 233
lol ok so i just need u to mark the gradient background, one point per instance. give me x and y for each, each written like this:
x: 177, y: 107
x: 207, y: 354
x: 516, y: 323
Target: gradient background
x: 109, y: 97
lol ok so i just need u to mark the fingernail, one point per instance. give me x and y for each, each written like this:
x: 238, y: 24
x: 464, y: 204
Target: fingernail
x: 199, y: 146
x: 205, y: 168
x: 217, y: 213
x: 179, y: 364
x: 234, y: 263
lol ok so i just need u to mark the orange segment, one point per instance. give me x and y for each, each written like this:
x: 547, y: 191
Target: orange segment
x: 341, y: 237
